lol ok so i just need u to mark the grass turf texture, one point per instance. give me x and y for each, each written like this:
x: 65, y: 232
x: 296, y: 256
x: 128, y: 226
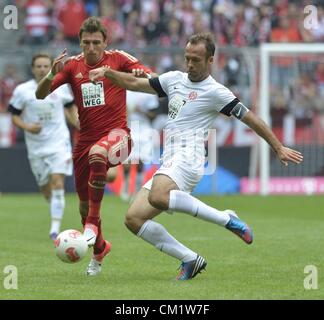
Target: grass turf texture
x: 288, y: 231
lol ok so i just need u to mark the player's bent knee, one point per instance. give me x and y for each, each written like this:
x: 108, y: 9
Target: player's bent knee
x: 158, y: 201
x: 133, y: 224
x: 98, y: 150
x: 111, y: 175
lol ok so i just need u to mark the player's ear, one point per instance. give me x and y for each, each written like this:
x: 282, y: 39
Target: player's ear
x: 211, y: 59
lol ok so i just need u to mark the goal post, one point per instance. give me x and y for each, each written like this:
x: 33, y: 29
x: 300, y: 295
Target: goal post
x: 266, y: 52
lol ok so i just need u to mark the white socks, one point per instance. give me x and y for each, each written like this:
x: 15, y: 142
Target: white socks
x: 158, y: 236
x: 57, y: 205
x: 184, y: 202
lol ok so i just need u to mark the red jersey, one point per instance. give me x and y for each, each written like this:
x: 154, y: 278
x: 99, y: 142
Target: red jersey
x: 101, y: 106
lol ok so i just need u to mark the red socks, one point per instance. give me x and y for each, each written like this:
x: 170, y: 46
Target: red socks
x: 96, y: 186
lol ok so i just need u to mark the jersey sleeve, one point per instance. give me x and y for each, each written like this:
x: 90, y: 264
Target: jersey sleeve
x: 127, y: 62
x: 17, y: 101
x: 162, y: 83
x: 225, y: 100
x: 62, y: 77
x: 66, y: 95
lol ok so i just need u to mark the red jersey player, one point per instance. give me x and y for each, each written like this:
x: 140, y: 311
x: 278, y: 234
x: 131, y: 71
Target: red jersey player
x: 104, y: 138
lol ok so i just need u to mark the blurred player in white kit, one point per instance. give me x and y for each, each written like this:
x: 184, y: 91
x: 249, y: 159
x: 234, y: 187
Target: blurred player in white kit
x: 47, y: 136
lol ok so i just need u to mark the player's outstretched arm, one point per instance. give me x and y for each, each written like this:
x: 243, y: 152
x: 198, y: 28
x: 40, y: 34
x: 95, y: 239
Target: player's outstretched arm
x: 44, y: 86
x: 283, y: 153
x: 125, y: 80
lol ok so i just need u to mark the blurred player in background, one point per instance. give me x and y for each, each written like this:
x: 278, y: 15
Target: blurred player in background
x: 104, y: 139
x: 141, y: 110
x: 195, y: 99
x: 47, y: 135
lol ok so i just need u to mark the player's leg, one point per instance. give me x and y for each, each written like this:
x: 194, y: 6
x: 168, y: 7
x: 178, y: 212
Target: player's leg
x: 139, y: 221
x: 117, y: 146
x: 41, y: 172
x: 81, y: 177
x: 111, y: 174
x: 109, y: 151
x: 180, y: 201
x: 57, y: 203
x: 60, y: 165
x: 124, y: 195
x: 46, y: 191
x: 81, y: 170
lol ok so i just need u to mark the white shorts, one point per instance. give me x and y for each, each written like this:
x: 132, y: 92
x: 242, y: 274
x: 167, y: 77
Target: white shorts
x: 43, y: 167
x: 183, y: 174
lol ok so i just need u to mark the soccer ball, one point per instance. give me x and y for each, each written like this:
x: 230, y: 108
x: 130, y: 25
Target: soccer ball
x: 71, y: 246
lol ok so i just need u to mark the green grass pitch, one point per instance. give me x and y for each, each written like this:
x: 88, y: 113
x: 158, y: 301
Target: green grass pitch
x: 288, y: 231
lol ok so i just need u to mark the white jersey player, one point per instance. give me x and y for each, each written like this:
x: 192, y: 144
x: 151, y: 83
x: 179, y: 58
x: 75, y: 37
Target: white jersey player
x: 195, y: 98
x: 47, y: 136
x: 141, y: 109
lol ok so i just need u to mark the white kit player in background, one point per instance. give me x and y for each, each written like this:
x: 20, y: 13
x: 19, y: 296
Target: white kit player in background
x: 141, y: 109
x: 195, y: 99
x: 47, y: 136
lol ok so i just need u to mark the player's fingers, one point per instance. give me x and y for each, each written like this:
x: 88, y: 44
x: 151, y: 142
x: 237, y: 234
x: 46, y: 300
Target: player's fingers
x: 137, y: 72
x: 296, y: 156
x: 93, y: 76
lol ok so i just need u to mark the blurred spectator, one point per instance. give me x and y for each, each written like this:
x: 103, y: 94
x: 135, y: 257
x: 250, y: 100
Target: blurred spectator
x: 38, y: 15
x: 278, y: 109
x: 304, y: 99
x: 8, y: 83
x: 283, y: 67
x: 285, y: 31
x: 70, y: 16
x: 153, y: 28
x: 186, y: 14
x: 221, y: 26
x: 113, y: 24
x: 130, y: 24
x: 173, y: 35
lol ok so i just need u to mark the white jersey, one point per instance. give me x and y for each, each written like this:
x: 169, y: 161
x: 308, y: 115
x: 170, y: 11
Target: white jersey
x: 193, y: 107
x: 143, y: 102
x: 49, y: 113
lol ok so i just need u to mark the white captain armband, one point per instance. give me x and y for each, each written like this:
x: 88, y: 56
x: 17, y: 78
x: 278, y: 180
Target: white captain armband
x: 239, y: 111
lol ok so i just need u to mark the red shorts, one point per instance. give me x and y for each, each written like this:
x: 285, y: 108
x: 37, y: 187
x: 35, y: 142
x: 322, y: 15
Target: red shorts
x: 118, y: 143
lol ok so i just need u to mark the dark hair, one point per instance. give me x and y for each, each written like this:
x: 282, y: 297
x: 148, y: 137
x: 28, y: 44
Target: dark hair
x: 92, y: 25
x: 207, y: 39
x: 40, y: 55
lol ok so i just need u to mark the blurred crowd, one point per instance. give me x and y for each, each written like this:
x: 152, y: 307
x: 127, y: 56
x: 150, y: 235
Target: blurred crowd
x: 168, y: 23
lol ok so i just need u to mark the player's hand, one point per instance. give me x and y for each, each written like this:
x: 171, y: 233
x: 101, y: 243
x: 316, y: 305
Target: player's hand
x: 58, y: 63
x: 286, y: 155
x: 96, y: 74
x: 140, y: 73
x: 34, y: 128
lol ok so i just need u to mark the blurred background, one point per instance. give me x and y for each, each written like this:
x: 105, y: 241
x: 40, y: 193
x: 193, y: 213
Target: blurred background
x: 156, y: 31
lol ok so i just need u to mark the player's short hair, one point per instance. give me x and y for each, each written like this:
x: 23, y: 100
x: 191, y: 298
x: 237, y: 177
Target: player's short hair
x: 41, y: 55
x: 208, y: 39
x: 92, y: 25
